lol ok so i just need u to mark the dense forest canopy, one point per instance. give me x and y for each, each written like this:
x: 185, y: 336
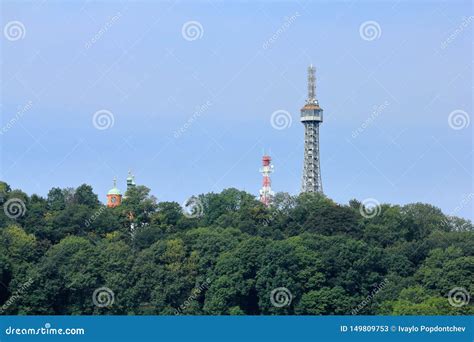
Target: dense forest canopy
x: 229, y: 255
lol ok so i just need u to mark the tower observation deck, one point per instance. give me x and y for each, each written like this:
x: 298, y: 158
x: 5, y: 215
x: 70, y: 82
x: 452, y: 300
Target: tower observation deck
x: 311, y: 117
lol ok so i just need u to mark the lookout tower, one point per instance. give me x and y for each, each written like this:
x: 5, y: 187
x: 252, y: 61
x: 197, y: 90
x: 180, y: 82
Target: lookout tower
x: 311, y: 117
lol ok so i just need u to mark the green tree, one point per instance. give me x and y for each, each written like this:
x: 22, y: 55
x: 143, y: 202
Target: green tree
x: 315, y: 256
x: 85, y: 195
x: 65, y: 279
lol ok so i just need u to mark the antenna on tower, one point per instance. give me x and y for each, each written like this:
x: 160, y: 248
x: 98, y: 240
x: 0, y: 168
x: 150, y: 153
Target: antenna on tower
x: 311, y: 84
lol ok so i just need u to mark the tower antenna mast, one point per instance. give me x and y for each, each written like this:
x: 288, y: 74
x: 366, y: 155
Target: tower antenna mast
x: 266, y: 193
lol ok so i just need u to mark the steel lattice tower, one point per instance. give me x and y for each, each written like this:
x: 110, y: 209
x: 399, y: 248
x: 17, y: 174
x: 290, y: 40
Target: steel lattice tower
x: 311, y: 117
x: 266, y: 193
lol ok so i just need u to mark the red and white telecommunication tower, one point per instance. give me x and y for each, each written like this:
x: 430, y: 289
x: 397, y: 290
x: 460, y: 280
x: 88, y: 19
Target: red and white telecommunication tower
x: 266, y: 193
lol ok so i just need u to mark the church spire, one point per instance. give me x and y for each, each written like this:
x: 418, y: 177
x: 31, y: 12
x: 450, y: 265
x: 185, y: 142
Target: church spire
x: 130, y: 180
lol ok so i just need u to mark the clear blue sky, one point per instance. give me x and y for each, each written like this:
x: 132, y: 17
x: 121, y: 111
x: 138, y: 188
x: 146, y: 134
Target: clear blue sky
x: 72, y: 59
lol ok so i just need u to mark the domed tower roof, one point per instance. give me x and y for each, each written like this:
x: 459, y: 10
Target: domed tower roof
x: 114, y: 190
x: 130, y: 179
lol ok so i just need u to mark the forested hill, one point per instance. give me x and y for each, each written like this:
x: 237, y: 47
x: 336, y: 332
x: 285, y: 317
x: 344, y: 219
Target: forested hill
x: 306, y: 255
